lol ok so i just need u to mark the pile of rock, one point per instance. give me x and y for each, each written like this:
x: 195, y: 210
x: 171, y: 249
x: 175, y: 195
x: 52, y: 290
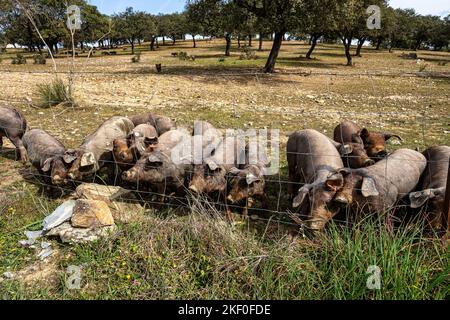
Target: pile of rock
x: 89, y: 215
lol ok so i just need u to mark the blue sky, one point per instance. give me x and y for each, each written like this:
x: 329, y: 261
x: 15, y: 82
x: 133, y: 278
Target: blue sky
x: 436, y: 7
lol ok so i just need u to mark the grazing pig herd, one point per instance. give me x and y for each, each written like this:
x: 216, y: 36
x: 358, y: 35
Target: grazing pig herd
x: 352, y: 171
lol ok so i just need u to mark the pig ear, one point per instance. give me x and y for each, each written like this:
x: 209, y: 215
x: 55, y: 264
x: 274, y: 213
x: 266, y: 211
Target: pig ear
x: 212, y: 165
x: 69, y: 157
x: 345, y: 171
x: 335, y: 182
x: 368, y: 188
x: 235, y: 171
x: 250, y: 178
x: 302, y: 193
x: 46, y: 165
x: 388, y: 135
x: 364, y: 133
x: 418, y: 198
x: 87, y: 159
x: 345, y: 149
x: 154, y: 159
x: 150, y: 141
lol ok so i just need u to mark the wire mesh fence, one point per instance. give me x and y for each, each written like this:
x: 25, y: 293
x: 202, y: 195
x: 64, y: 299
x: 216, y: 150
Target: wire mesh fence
x: 279, y: 209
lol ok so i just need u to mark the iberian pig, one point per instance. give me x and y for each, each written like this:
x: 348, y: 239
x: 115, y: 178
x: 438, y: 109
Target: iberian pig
x: 314, y: 162
x: 374, y: 142
x: 96, y: 150
x: 433, y: 185
x: 160, y: 123
x: 160, y: 168
x: 378, y: 188
x: 46, y: 155
x: 13, y: 126
x: 351, y: 146
x: 127, y: 151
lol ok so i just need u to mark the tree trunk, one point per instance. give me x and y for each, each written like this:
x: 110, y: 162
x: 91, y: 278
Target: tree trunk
x: 379, y: 41
x: 260, y: 48
x: 157, y: 43
x: 359, y: 47
x: 139, y: 41
x: 132, y: 46
x: 228, y: 47
x: 164, y: 41
x: 313, y: 41
x: 173, y: 40
x: 249, y: 40
x: 195, y: 43
x: 239, y: 41
x: 347, y: 44
x: 271, y: 61
x: 152, y: 44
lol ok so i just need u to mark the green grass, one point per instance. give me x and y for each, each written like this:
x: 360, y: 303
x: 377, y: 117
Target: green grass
x: 199, y: 256
x: 54, y: 93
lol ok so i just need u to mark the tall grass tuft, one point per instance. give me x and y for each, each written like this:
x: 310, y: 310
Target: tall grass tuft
x: 54, y: 93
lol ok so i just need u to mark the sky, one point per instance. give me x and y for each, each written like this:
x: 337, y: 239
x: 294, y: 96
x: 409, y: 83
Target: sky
x: 435, y: 7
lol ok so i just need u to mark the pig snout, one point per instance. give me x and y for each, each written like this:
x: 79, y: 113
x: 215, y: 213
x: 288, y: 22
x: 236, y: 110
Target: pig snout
x: 57, y: 180
x: 369, y: 162
x: 71, y: 176
x: 316, y: 224
x: 382, y: 154
x: 193, y: 188
x: 129, y: 175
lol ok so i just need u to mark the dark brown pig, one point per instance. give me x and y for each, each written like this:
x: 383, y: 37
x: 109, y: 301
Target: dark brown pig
x: 433, y: 185
x: 248, y: 182
x: 377, y: 188
x: 46, y: 155
x: 160, y: 123
x: 206, y: 139
x: 211, y: 162
x: 162, y: 168
x: 351, y: 146
x: 96, y: 150
x: 127, y: 151
x: 314, y: 161
x: 13, y: 126
x: 374, y: 142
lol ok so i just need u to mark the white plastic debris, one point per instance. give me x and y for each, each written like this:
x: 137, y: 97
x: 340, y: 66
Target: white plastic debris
x: 62, y: 214
x: 46, y: 252
x: 32, y: 236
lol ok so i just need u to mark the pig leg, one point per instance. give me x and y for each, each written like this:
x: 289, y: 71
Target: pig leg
x: 160, y: 196
x: 20, y: 149
x: 228, y: 213
x: 264, y: 201
x: 248, y: 204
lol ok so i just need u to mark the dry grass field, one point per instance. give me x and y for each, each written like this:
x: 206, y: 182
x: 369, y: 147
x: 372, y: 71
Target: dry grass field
x: 168, y: 255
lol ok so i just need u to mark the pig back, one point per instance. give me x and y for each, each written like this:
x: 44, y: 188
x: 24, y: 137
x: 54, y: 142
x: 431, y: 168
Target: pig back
x: 101, y: 142
x: 312, y: 151
x: 436, y: 172
x: 344, y: 132
x: 12, y: 122
x: 41, y: 146
x: 399, y: 172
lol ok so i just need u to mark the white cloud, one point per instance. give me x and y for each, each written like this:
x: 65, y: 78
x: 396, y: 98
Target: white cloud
x: 434, y: 7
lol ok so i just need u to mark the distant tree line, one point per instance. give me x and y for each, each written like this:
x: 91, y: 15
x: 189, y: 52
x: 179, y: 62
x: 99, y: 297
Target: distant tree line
x: 244, y: 21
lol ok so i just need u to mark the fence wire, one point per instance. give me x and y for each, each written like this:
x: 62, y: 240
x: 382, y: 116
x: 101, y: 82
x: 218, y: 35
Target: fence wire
x: 278, y: 183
